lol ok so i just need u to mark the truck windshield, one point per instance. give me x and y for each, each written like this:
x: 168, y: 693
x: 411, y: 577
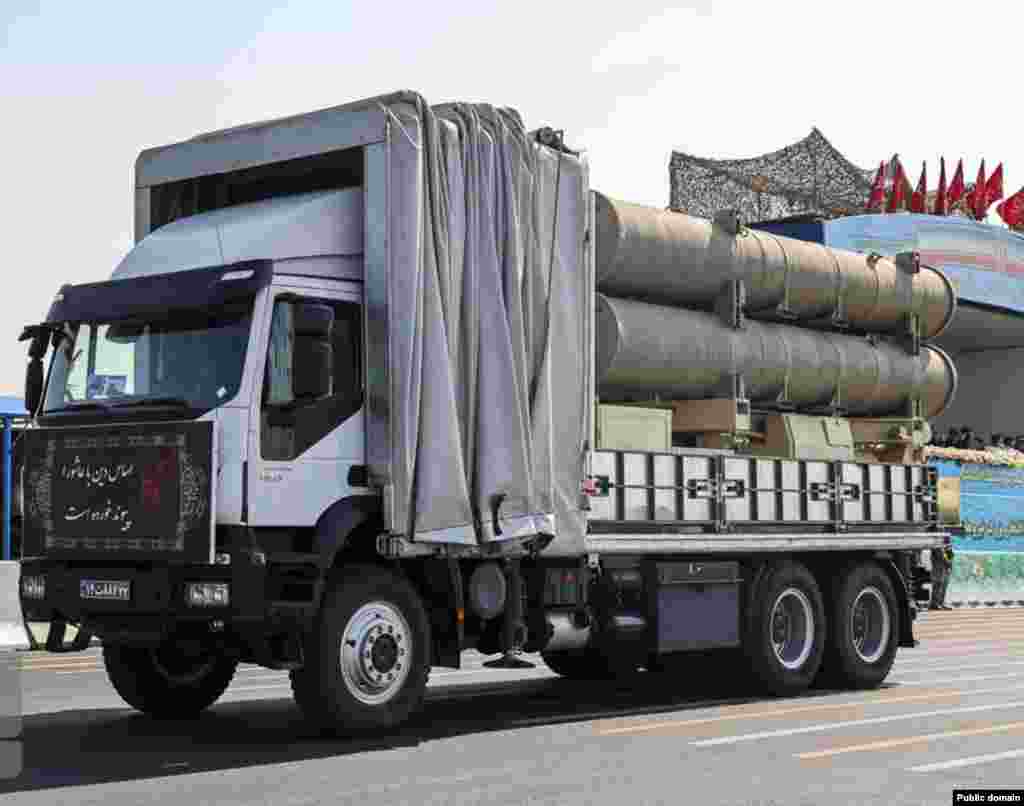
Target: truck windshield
x: 191, y: 358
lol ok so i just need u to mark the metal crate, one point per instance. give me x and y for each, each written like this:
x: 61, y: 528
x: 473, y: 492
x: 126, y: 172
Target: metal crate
x: 731, y: 493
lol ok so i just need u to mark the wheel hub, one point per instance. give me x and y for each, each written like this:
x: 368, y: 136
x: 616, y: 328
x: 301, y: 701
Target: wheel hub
x: 384, y: 655
x: 792, y: 628
x: 870, y: 625
x: 376, y: 653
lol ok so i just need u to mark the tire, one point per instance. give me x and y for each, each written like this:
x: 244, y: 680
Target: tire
x: 372, y: 625
x: 784, y: 639
x: 166, y: 685
x: 864, y: 627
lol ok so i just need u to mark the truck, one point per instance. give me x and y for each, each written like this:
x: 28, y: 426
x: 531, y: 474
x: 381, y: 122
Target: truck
x: 384, y: 383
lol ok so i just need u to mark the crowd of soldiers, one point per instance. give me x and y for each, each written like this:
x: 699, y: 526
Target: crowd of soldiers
x: 965, y: 439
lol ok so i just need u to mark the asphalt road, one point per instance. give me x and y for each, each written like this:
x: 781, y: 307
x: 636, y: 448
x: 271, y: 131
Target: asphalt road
x: 950, y: 716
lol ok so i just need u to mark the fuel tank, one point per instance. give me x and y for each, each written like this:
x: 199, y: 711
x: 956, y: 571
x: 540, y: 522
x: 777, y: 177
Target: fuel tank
x: 671, y: 258
x: 646, y: 351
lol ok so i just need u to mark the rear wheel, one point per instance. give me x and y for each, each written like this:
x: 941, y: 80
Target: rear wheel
x: 168, y: 682
x: 367, y: 660
x: 785, y: 631
x: 864, y: 631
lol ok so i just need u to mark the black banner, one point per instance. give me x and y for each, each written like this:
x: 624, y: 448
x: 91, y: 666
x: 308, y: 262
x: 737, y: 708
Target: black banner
x: 128, y: 492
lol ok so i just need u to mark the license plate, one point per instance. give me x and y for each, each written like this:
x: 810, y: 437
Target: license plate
x: 106, y: 590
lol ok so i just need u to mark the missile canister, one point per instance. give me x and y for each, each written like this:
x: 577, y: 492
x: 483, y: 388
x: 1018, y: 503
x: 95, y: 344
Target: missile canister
x: 648, y: 351
x: 671, y: 258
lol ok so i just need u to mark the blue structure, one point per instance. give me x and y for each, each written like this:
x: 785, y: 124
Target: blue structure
x: 985, y: 262
x: 11, y: 410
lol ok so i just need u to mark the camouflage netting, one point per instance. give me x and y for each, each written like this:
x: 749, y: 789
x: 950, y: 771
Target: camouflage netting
x: 808, y: 177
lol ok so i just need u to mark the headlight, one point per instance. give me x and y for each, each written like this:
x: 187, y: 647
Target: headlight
x: 207, y: 594
x: 33, y: 587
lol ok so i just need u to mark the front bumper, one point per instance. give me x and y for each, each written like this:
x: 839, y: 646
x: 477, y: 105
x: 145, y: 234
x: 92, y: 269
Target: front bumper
x: 157, y: 596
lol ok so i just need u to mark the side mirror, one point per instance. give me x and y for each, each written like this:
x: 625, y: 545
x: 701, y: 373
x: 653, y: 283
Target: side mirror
x: 37, y: 336
x: 313, y: 356
x: 33, y: 385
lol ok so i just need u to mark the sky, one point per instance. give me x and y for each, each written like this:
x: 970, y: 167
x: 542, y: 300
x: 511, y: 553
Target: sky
x: 86, y: 86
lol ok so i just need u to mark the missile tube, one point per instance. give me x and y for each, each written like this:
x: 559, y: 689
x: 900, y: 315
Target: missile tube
x: 646, y: 351
x: 675, y: 259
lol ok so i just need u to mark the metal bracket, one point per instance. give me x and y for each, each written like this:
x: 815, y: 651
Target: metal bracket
x: 728, y: 221
x: 923, y: 494
x: 702, y: 488
x: 394, y: 547
x: 913, y: 334
x: 839, y: 320
x: 730, y: 304
x: 821, y: 491
x: 849, y: 491
x: 734, y: 488
x: 731, y: 386
x: 910, y: 262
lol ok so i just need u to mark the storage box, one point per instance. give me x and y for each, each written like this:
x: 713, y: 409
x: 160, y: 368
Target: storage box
x: 631, y: 428
x: 698, y: 605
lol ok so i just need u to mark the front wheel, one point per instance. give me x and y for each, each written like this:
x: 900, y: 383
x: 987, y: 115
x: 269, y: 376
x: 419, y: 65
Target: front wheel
x: 168, y: 682
x: 367, y: 660
x: 785, y: 635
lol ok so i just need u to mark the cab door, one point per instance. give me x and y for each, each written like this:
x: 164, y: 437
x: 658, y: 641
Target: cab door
x: 307, y: 423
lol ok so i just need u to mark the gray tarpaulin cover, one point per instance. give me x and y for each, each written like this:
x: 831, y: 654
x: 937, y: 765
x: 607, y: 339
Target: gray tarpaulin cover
x: 487, y: 293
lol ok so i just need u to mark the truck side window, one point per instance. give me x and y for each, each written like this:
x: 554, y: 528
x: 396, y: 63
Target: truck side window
x: 289, y: 426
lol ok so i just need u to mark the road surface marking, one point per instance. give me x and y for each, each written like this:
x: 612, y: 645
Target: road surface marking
x: 932, y: 661
x: 967, y: 632
x: 769, y: 714
x: 885, y: 744
x: 801, y: 709
x: 852, y: 723
x: 987, y: 621
x: 235, y: 689
x: 895, y: 681
x: 1008, y: 640
x: 955, y: 615
x: 966, y: 762
x: 85, y: 663
x: 961, y: 652
x: 929, y: 669
x: 84, y: 671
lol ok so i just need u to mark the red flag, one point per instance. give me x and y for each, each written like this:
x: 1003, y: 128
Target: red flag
x: 1012, y: 210
x: 956, y: 187
x: 896, y: 197
x: 940, y: 207
x: 976, y: 198
x: 917, y: 199
x: 877, y: 197
x: 994, y: 187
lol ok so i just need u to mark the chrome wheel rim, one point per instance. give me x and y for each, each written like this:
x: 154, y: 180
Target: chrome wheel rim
x: 792, y: 628
x: 376, y: 653
x: 870, y: 625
